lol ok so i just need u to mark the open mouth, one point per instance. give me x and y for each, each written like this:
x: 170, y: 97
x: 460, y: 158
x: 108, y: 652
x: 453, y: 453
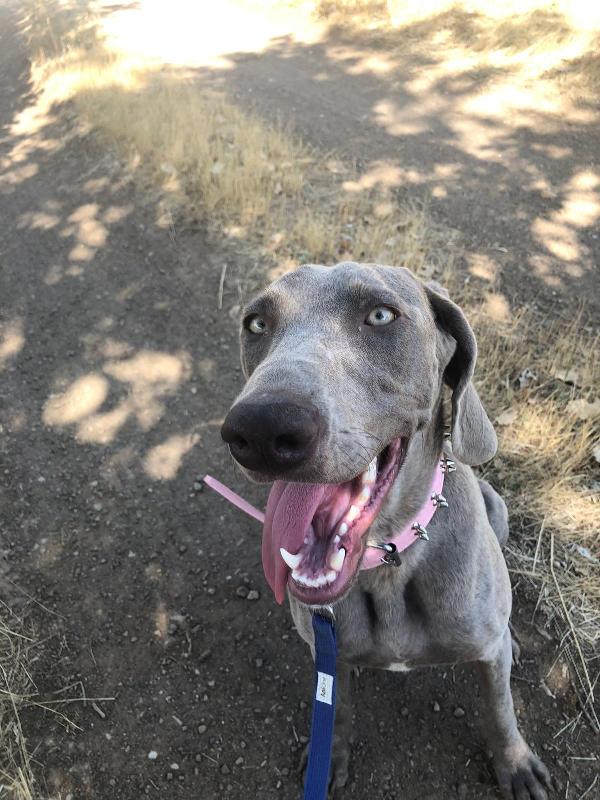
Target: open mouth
x: 314, y: 534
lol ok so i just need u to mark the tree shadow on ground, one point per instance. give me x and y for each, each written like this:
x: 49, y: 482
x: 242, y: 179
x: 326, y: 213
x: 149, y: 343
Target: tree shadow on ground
x: 118, y: 369
x: 514, y: 169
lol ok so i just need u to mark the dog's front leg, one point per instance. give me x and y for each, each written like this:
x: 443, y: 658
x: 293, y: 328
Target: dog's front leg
x: 342, y: 736
x: 520, y: 774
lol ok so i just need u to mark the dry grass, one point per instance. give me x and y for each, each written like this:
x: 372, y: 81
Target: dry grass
x: 533, y: 40
x: 208, y: 159
x: 16, y: 776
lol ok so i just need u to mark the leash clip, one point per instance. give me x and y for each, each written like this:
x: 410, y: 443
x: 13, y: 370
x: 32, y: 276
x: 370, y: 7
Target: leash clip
x: 391, y: 555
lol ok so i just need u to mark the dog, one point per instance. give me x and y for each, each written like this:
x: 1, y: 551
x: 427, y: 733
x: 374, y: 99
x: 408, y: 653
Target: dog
x: 345, y: 370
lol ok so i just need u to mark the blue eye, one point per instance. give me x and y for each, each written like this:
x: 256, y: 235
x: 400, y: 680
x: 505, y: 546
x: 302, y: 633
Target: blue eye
x: 381, y: 315
x: 256, y: 324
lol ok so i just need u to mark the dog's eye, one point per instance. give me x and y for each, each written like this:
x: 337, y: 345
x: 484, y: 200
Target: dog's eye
x: 256, y: 324
x: 382, y: 315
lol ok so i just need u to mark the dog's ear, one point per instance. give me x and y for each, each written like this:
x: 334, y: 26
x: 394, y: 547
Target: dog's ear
x: 473, y: 437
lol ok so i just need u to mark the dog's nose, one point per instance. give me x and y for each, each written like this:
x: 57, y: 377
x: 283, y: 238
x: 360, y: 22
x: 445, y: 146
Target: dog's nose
x: 271, y: 434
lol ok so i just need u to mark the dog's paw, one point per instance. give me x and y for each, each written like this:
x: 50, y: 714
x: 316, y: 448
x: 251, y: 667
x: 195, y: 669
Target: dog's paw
x: 524, y: 779
x: 338, y: 776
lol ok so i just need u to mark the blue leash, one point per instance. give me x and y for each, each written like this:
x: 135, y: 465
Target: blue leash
x: 323, y: 716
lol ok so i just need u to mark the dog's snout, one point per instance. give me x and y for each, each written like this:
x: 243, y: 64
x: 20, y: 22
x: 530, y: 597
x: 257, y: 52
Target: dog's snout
x: 272, y: 434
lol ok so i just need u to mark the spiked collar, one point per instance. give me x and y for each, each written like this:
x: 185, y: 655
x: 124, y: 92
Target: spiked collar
x: 375, y: 554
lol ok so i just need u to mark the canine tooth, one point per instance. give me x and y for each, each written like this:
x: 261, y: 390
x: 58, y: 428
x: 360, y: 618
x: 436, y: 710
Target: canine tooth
x: 343, y: 529
x: 353, y: 513
x: 364, y: 496
x: 290, y: 559
x: 336, y: 561
x: 370, y: 474
x: 331, y: 576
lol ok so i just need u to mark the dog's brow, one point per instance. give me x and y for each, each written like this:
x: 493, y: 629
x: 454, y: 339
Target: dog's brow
x: 263, y: 304
x: 361, y: 295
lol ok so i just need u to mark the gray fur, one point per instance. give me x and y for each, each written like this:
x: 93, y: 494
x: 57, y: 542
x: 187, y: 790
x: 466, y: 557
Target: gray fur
x: 450, y: 600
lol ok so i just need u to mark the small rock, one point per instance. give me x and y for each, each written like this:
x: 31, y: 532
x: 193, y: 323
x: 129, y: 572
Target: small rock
x: 253, y: 595
x: 224, y: 770
x: 241, y: 591
x: 404, y: 711
x: 436, y: 706
x: 152, y: 755
x: 174, y: 766
x: 202, y: 728
x: 459, y: 712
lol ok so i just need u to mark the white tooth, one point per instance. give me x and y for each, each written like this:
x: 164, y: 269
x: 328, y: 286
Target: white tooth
x: 370, y: 474
x: 320, y: 581
x: 343, y: 529
x: 337, y: 539
x: 301, y: 579
x: 353, y: 513
x: 291, y: 560
x: 336, y: 561
x: 331, y: 576
x: 364, y: 496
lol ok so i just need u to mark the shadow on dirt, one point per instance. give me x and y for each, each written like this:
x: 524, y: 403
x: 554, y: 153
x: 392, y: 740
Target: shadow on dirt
x: 117, y: 366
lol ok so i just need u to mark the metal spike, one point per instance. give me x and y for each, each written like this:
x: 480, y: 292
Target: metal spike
x: 420, y: 531
x: 439, y: 500
x: 448, y: 465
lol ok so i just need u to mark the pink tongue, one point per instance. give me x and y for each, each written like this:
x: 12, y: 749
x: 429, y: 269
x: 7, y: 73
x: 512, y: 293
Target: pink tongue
x: 291, y: 508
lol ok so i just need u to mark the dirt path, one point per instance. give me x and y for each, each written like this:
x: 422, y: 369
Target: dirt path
x: 117, y: 366
x: 522, y: 188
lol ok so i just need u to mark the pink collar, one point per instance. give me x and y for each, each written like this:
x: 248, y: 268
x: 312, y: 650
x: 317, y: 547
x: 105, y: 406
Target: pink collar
x: 374, y: 554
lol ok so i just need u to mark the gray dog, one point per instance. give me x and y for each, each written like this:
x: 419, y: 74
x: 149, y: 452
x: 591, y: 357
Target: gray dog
x: 342, y: 408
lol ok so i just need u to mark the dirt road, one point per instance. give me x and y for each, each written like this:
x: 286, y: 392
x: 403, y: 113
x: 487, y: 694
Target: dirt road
x: 117, y: 366
x: 522, y: 188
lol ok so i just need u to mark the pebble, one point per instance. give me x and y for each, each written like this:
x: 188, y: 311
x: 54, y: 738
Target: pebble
x: 436, y: 706
x: 224, y: 770
x: 253, y: 595
x: 152, y: 755
x: 202, y: 728
x: 241, y: 591
x: 459, y: 712
x: 404, y: 711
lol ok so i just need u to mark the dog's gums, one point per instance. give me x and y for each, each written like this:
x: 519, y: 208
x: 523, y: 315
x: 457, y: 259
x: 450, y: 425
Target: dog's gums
x: 321, y: 557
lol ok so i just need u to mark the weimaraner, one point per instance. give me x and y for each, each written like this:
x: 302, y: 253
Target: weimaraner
x: 345, y: 369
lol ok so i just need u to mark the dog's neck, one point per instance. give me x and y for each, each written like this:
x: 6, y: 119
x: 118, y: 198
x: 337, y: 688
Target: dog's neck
x: 412, y: 485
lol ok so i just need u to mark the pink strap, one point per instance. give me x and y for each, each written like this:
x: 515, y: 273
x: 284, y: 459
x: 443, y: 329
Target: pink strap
x: 373, y: 555
x: 234, y: 498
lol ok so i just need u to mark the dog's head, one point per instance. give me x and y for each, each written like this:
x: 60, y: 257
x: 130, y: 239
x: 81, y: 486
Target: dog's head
x: 343, y: 365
